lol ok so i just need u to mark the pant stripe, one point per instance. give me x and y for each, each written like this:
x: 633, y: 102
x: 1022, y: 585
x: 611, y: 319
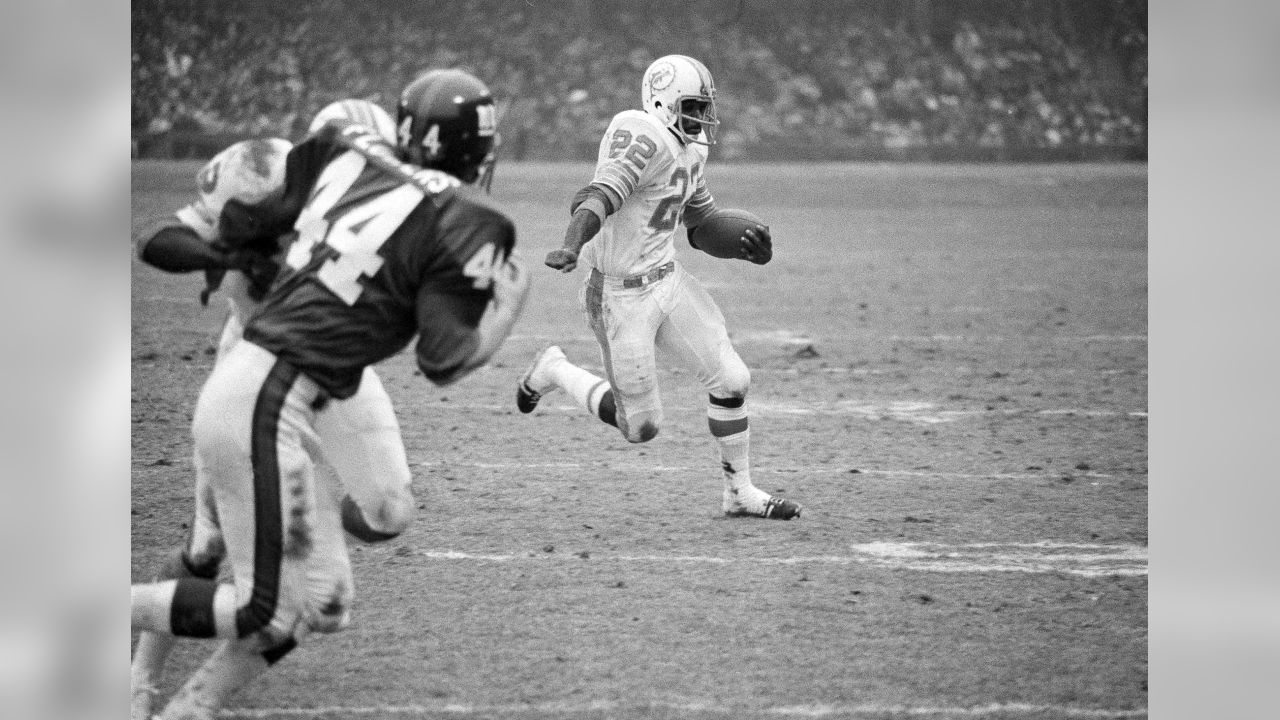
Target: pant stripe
x: 268, y: 539
x: 595, y: 311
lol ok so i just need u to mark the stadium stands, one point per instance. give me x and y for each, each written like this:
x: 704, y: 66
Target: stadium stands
x: 793, y: 85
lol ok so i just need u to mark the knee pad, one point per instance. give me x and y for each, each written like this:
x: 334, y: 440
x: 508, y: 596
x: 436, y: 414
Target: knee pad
x: 643, y: 430
x: 397, y: 512
x: 202, y: 561
x: 734, y: 379
x: 391, y: 519
x: 332, y: 612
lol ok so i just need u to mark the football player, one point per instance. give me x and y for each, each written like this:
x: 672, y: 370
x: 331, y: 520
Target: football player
x: 649, y: 178
x: 359, y: 437
x: 392, y: 242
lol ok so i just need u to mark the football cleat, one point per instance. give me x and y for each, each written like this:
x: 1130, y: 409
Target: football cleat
x: 764, y: 506
x: 781, y: 509
x: 537, y: 381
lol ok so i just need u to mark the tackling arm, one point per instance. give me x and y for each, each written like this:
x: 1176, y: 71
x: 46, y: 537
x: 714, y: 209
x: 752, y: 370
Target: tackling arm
x: 510, y: 291
x: 179, y: 249
x: 457, y: 334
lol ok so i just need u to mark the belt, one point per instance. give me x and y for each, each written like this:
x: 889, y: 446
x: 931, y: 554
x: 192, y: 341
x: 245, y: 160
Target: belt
x: 635, y: 281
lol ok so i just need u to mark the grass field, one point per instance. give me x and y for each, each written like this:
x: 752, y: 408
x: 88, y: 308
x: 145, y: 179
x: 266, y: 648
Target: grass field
x: 949, y: 372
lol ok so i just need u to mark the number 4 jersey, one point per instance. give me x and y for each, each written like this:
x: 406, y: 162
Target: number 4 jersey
x: 384, y: 250
x: 660, y: 183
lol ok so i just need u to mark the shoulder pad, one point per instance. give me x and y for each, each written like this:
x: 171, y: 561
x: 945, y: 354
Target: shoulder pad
x: 636, y: 121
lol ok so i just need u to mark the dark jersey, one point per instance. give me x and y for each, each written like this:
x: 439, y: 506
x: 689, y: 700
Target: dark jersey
x: 384, y: 251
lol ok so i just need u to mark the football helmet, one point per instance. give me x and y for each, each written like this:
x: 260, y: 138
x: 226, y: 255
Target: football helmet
x: 679, y: 91
x: 248, y: 171
x: 360, y: 111
x: 447, y: 121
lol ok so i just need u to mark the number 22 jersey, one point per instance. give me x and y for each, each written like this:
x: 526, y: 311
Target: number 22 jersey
x: 660, y: 183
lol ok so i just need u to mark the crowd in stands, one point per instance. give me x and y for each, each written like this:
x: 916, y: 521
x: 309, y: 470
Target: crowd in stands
x: 810, y: 88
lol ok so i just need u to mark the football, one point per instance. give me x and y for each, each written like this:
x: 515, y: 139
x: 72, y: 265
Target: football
x: 721, y: 234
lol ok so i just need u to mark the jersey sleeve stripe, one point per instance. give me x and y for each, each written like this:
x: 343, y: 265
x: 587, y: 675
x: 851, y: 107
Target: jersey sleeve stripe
x: 619, y: 178
x: 699, y: 207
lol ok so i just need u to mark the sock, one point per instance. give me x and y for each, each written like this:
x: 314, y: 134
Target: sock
x: 735, y: 460
x: 187, y: 607
x: 153, y: 648
x: 145, y: 671
x: 232, y: 666
x: 150, y: 605
x: 727, y: 420
x: 587, y: 390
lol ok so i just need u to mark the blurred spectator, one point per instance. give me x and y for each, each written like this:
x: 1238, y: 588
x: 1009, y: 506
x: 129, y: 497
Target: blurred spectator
x: 798, y: 84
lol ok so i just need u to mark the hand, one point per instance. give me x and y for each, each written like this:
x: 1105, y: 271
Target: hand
x: 258, y: 268
x: 757, y: 245
x: 510, y: 291
x: 562, y: 259
x: 511, y: 282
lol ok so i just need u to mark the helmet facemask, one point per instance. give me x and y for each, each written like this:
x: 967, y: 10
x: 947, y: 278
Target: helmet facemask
x: 695, y: 119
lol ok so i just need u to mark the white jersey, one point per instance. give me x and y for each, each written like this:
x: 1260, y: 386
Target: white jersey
x: 659, y: 180
x: 248, y: 171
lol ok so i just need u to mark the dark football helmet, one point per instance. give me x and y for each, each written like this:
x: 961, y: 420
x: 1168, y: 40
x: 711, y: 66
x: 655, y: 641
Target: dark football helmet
x: 447, y: 121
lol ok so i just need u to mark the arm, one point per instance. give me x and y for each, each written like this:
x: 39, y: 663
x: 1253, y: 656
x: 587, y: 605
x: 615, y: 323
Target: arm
x: 510, y: 291
x: 457, y: 333
x: 591, y: 205
x: 179, y: 249
x: 755, y: 245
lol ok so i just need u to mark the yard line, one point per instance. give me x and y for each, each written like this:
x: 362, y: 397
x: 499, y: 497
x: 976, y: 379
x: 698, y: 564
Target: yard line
x: 918, y: 412
x: 787, y: 337
x: 815, y: 710
x: 842, y: 470
x: 1017, y: 338
x: 1036, y: 558
x: 1041, y: 557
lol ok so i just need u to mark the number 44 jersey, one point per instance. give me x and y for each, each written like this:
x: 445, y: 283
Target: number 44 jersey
x: 383, y: 251
x: 660, y: 182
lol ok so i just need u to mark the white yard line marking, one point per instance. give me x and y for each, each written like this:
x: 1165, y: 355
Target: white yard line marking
x: 1043, y: 557
x: 917, y: 412
x: 1039, y: 557
x: 788, y: 337
x: 816, y: 710
x: 1017, y: 338
x: 842, y: 470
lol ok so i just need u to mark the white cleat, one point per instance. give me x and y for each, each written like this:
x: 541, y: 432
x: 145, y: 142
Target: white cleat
x: 755, y: 502
x: 537, y: 380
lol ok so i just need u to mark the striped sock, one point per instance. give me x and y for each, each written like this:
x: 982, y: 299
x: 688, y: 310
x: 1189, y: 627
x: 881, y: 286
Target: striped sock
x: 727, y: 420
x: 587, y: 390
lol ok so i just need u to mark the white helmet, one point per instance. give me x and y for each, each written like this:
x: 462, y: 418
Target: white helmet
x: 247, y: 171
x: 361, y: 111
x: 679, y: 91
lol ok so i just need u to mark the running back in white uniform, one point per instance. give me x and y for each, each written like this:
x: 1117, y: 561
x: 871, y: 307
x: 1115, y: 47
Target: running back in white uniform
x: 648, y: 181
x: 661, y: 180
